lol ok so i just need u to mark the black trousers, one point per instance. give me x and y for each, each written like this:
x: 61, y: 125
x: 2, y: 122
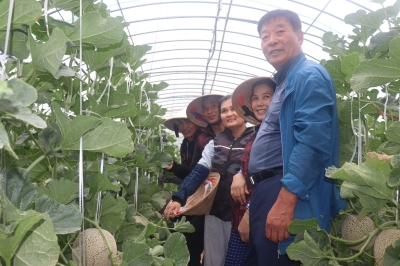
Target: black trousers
x: 261, y: 251
x: 195, y: 240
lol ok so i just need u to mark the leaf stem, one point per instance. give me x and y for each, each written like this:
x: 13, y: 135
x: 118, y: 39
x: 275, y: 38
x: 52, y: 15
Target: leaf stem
x: 40, y: 158
x: 371, y: 235
x: 66, y: 246
x: 54, y: 172
x: 34, y: 140
x: 110, y: 252
x: 384, y: 226
x: 63, y: 258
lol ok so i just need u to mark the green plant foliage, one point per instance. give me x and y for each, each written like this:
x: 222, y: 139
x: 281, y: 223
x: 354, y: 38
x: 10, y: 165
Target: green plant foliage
x: 25, y: 13
x: 98, y: 31
x: 21, y: 230
x: 66, y: 219
x: 63, y: 191
x: 391, y: 256
x: 48, y: 56
x: 136, y: 254
x: 18, y: 188
x: 176, y: 250
x: 112, y: 213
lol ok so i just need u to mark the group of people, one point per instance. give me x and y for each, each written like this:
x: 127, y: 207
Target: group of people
x: 270, y: 174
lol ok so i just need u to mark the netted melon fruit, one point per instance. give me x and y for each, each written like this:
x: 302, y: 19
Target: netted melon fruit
x: 384, y: 239
x: 96, y: 251
x: 354, y: 228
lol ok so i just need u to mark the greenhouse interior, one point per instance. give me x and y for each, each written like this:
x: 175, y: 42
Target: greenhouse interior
x: 220, y: 132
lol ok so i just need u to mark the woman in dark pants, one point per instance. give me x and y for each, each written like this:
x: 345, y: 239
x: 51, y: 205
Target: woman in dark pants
x: 191, y: 148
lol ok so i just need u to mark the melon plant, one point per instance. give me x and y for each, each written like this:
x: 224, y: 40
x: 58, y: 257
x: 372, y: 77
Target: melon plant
x: 47, y: 106
x: 92, y: 247
x: 384, y: 239
x: 355, y: 228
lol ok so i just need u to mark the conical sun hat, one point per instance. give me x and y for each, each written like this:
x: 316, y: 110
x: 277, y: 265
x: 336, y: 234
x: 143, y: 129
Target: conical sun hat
x: 169, y: 123
x: 194, y: 110
x: 201, y: 201
x: 241, y: 98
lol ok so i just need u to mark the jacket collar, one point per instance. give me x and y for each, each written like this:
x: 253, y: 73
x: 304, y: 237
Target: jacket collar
x: 280, y: 76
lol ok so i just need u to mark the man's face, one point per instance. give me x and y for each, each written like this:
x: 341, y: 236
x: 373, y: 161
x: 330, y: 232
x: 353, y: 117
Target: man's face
x: 280, y: 42
x: 209, y: 106
x: 187, y: 128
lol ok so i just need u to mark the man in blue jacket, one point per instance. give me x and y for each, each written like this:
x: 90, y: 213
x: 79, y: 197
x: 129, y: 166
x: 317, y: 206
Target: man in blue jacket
x: 297, y: 140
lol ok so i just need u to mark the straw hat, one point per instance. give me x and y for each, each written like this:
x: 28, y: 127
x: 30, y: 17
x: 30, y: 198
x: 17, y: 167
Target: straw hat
x: 201, y: 201
x: 241, y: 99
x: 170, y: 122
x: 194, y: 110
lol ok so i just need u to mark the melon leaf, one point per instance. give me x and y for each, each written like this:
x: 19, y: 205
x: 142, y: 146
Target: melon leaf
x: 299, y: 226
x: 391, y: 256
x: 112, y: 213
x: 136, y: 254
x: 66, y: 218
x: 175, y: 248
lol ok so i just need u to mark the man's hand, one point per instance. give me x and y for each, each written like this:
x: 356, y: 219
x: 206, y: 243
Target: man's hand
x: 239, y: 188
x: 244, y: 228
x: 280, y: 215
x: 172, y: 209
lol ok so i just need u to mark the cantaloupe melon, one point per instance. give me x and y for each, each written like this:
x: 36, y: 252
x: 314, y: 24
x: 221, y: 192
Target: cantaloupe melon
x: 354, y: 228
x: 384, y: 239
x: 95, y: 248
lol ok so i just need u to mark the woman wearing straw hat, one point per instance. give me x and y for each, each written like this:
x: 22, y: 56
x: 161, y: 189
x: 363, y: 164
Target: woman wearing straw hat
x: 223, y: 156
x: 192, y: 145
x: 191, y: 148
x: 251, y: 100
x: 203, y: 111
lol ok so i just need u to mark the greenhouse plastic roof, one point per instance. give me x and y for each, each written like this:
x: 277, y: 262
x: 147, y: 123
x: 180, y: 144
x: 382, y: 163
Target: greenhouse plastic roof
x: 201, y: 47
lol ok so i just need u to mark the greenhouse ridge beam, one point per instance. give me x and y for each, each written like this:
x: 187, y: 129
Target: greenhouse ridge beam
x: 233, y: 70
x: 234, y: 43
x: 203, y: 58
x: 197, y: 85
x: 194, y: 79
x: 206, y: 17
x: 227, y: 74
x: 226, y: 51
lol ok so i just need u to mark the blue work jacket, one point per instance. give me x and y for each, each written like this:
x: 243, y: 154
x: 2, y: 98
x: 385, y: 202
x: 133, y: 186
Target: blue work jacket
x: 310, y: 143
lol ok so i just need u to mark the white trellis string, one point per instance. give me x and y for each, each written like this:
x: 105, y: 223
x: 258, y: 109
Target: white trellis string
x: 81, y: 185
x: 148, y: 103
x: 129, y: 78
x: 385, y: 106
x: 109, y: 79
x: 352, y: 128
x: 134, y: 128
x: 359, y: 157
x: 161, y: 138
x: 397, y: 191
x: 4, y: 56
x: 109, y: 84
x: 46, y: 5
x: 99, y: 193
x: 136, y: 188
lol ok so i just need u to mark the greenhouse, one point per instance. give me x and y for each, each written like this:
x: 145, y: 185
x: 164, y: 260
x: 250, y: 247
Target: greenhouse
x: 159, y: 132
